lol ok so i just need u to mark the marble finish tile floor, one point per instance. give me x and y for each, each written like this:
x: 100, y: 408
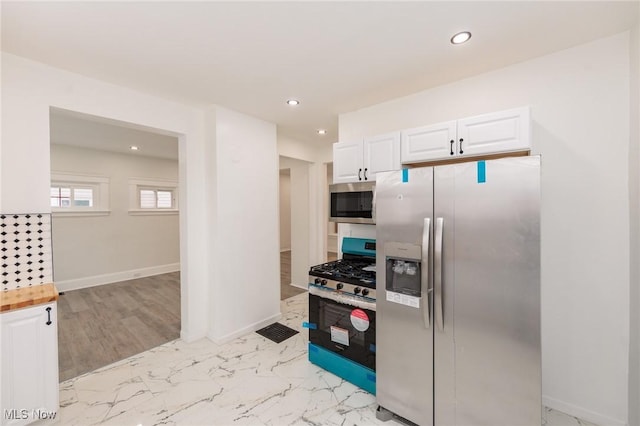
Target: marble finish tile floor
x: 249, y: 381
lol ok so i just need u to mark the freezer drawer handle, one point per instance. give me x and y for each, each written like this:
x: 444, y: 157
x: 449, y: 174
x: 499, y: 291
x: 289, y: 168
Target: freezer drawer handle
x: 426, y: 313
x: 461, y: 151
x: 438, y: 273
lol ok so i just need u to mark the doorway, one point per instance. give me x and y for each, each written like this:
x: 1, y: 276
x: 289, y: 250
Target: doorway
x: 115, y: 232
x: 287, y: 289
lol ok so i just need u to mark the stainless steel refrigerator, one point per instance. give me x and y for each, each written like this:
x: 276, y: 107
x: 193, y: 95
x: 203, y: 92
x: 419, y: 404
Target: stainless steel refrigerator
x: 458, y: 284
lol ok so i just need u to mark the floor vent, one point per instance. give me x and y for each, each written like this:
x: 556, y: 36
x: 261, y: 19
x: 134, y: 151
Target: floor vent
x: 277, y: 332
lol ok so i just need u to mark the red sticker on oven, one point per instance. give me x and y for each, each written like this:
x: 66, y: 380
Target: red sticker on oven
x: 360, y: 320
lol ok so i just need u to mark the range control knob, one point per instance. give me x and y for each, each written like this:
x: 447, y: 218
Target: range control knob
x: 356, y: 290
x: 365, y: 291
x: 339, y: 286
x: 317, y: 281
x: 323, y: 282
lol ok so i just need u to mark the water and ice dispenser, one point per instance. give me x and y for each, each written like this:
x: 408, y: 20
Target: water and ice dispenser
x: 403, y: 268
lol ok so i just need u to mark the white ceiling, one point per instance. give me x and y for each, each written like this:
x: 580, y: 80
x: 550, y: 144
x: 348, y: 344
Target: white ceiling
x: 334, y: 57
x: 80, y: 130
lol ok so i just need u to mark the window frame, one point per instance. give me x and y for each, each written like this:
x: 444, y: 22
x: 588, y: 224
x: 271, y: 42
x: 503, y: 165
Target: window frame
x: 100, y: 194
x: 136, y: 185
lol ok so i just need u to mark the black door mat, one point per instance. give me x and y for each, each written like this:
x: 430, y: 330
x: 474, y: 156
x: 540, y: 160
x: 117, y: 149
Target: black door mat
x: 277, y: 332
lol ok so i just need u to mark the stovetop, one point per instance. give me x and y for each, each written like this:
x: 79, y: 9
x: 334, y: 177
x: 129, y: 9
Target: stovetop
x: 348, y: 270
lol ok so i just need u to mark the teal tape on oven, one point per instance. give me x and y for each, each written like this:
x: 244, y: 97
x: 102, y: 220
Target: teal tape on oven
x: 482, y: 171
x: 309, y: 325
x: 405, y: 175
x: 371, y: 377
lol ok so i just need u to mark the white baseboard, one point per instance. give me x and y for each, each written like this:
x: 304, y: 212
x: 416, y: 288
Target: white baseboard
x: 580, y: 412
x: 78, y: 283
x: 304, y: 287
x: 189, y: 338
x: 245, y: 330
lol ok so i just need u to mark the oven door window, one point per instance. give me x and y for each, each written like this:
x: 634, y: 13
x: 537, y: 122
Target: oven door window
x: 344, y: 329
x: 335, y: 319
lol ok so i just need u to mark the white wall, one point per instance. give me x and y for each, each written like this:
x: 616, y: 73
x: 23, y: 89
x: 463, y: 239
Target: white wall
x: 285, y: 209
x: 100, y: 249
x: 29, y: 89
x: 579, y: 100
x: 243, y: 238
x: 228, y: 185
x: 634, y: 196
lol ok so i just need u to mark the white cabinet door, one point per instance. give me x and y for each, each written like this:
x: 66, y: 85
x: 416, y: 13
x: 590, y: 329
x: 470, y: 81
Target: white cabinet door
x: 347, y: 162
x: 29, y: 364
x: 501, y: 131
x: 437, y: 141
x: 381, y: 153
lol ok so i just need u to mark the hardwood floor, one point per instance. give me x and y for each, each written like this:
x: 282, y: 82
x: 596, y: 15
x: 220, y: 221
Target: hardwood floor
x: 286, y: 289
x: 101, y: 325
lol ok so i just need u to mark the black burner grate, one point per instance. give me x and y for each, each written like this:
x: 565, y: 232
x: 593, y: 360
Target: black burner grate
x: 277, y: 332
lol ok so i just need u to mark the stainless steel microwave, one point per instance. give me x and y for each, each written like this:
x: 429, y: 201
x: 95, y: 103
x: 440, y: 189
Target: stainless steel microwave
x: 352, y: 202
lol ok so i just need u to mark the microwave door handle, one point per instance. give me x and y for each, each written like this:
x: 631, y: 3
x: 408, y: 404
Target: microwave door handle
x: 373, y: 206
x: 426, y: 314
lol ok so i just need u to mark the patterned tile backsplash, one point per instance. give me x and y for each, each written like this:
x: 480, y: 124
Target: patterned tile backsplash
x: 25, y: 248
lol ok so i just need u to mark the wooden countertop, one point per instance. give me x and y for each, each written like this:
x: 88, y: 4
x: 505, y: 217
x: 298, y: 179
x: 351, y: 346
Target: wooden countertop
x: 27, y: 296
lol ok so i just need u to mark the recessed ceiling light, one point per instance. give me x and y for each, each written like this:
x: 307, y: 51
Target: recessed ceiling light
x: 133, y: 148
x: 461, y: 37
x: 322, y: 132
x: 293, y: 102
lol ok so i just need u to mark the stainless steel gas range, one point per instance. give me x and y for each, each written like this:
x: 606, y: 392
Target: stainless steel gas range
x: 342, y: 314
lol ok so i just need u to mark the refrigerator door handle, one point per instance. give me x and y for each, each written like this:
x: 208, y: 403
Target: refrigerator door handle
x: 426, y: 313
x: 437, y: 266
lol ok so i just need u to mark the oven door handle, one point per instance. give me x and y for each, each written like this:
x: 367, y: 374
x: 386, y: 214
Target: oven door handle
x: 343, y: 299
x: 426, y: 291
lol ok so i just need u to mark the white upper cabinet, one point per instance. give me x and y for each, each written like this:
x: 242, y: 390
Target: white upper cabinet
x: 360, y: 161
x: 381, y: 154
x: 429, y: 142
x: 503, y: 131
x: 347, y: 162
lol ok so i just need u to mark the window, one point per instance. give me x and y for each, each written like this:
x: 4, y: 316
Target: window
x: 156, y: 198
x: 67, y: 197
x: 147, y: 196
x: 79, y: 194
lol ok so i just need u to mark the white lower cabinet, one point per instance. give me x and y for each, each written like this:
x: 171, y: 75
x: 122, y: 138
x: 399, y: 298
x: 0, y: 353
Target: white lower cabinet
x: 29, y: 364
